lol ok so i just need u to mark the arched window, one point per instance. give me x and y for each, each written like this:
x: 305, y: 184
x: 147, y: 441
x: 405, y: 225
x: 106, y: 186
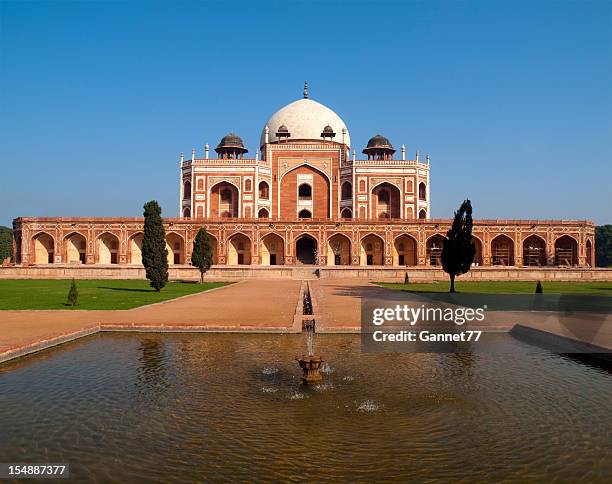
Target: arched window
x: 186, y: 213
x: 346, y: 213
x: 264, y: 191
x: 200, y: 184
x: 263, y: 213
x: 362, y: 186
x: 422, y: 191
x: 187, y: 189
x: 347, y: 191
x: 422, y: 214
x: 247, y: 185
x: 305, y: 192
x: 304, y: 214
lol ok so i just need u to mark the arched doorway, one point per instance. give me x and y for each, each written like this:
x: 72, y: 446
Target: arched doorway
x: 502, y: 251
x: 224, y: 199
x: 108, y: 249
x: 589, y: 253
x: 566, y: 251
x: 306, y: 250
x: 346, y: 213
x: 478, y: 254
x: 534, y: 251
x: 422, y: 214
x: 338, y: 251
x: 347, y: 191
x: 186, y: 212
x: 43, y: 248
x: 372, y: 251
x: 176, y: 249
x: 385, y: 201
x: 135, y: 250
x: 76, y: 248
x: 263, y: 213
x: 434, y: 250
x: 404, y: 251
x: 272, y: 250
x: 239, y: 250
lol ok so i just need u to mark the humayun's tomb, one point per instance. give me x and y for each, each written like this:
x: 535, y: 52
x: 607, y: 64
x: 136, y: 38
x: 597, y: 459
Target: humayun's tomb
x: 303, y: 198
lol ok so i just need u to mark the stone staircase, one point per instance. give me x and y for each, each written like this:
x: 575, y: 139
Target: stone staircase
x: 304, y: 273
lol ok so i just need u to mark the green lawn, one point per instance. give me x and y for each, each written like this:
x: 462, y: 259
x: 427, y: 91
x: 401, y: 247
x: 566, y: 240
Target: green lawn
x: 510, y: 287
x: 93, y: 293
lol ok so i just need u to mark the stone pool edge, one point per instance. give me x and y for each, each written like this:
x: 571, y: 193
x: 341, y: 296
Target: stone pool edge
x: 534, y: 336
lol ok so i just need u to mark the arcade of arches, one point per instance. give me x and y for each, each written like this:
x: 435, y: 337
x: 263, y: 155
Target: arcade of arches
x: 266, y: 242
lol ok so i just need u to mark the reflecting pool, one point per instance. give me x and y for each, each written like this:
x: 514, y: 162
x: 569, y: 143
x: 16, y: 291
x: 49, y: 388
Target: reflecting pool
x: 194, y: 407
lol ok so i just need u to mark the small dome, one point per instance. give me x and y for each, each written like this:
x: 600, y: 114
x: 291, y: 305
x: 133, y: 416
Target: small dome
x: 328, y: 129
x: 231, y: 140
x: 379, y: 141
x: 282, y: 129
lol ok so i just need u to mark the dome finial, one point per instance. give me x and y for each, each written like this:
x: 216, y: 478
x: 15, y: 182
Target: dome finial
x: 305, y: 90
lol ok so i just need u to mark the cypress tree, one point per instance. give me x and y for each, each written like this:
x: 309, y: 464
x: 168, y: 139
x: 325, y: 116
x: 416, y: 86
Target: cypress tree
x: 458, y: 249
x: 73, y: 294
x: 201, y: 256
x: 154, y: 252
x: 539, y: 289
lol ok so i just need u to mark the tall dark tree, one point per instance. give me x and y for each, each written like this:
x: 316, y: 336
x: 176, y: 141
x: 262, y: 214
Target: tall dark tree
x: 458, y: 249
x: 603, y: 246
x: 6, y: 243
x: 154, y: 252
x: 201, y: 256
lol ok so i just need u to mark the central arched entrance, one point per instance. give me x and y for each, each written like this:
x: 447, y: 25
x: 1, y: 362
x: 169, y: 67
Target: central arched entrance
x: 306, y: 250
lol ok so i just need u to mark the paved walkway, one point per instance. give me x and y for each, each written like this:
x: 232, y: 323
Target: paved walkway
x: 261, y: 305
x: 338, y: 309
x: 252, y: 305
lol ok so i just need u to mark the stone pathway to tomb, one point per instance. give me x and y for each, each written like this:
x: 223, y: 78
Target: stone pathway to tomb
x: 251, y: 305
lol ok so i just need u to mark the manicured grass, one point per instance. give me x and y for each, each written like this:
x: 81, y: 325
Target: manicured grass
x: 93, y: 294
x: 510, y: 287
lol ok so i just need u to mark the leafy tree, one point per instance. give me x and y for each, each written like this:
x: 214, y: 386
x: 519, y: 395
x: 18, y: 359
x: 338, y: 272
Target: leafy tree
x: 201, y: 256
x: 458, y: 249
x: 154, y: 252
x: 6, y: 243
x: 73, y: 294
x: 603, y: 246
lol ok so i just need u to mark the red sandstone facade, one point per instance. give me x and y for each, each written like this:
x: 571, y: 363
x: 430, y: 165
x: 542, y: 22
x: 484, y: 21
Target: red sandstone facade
x: 306, y: 200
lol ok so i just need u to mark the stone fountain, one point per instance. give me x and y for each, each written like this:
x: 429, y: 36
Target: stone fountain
x: 309, y: 363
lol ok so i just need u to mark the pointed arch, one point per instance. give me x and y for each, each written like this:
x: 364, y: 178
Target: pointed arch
x: 306, y: 249
x: 108, y: 248
x: 175, y: 245
x: 502, y: 251
x: 224, y: 200
x: 44, y: 248
x: 534, y: 251
x: 347, y: 190
x: 385, y: 201
x: 75, y: 248
x: 566, y: 251
x: 263, y: 213
x: 135, y: 248
x: 346, y: 213
x: 338, y: 250
x: 239, y: 249
x: 405, y: 250
x: 433, y: 249
x: 372, y: 250
x: 272, y: 250
x: 478, y: 254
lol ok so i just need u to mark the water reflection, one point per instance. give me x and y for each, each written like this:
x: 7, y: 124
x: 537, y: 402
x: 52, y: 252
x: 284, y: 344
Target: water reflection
x: 230, y: 407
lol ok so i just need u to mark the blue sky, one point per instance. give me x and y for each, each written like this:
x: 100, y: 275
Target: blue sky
x: 513, y: 100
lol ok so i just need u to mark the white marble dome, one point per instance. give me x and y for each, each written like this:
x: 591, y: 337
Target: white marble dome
x: 306, y: 119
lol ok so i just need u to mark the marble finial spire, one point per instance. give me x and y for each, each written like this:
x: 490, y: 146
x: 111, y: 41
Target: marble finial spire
x: 305, y: 90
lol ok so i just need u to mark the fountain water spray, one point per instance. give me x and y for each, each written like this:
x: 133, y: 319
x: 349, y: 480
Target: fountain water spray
x: 310, y: 363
